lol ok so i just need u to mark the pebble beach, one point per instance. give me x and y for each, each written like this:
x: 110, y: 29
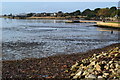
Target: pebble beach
x: 53, y: 67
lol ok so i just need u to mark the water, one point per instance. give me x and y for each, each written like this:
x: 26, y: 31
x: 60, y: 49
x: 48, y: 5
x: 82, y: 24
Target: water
x: 41, y: 38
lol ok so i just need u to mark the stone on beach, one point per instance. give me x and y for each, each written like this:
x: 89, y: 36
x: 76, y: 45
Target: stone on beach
x: 102, y: 65
x: 91, y: 76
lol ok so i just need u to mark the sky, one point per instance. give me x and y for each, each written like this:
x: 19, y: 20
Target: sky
x: 60, y: 0
x: 38, y: 7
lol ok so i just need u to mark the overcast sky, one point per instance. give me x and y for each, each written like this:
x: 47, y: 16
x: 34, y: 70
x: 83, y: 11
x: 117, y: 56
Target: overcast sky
x: 38, y: 7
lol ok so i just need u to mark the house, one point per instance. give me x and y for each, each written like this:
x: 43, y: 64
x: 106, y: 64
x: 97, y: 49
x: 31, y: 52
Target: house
x: 45, y: 14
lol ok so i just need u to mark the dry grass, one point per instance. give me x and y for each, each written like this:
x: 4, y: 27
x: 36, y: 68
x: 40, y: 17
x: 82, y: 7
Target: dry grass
x: 116, y: 25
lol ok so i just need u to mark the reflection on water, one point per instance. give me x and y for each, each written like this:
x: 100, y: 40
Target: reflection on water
x: 108, y: 29
x: 42, y: 38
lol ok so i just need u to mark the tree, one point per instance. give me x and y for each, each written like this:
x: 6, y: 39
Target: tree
x: 103, y: 12
x: 86, y: 12
x: 113, y: 11
x: 113, y: 14
x: 76, y: 13
x: 89, y: 13
x: 66, y: 14
x: 118, y: 12
x: 4, y: 15
x: 10, y: 14
x: 30, y: 14
x: 60, y: 12
x: 96, y: 10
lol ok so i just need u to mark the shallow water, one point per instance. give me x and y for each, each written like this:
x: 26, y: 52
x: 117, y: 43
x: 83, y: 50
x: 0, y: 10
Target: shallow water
x: 41, y: 38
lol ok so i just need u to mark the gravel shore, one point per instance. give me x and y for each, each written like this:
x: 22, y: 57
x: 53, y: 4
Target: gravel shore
x: 46, y: 68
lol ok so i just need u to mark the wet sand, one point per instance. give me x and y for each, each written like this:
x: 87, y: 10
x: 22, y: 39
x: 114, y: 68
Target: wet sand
x: 49, y: 67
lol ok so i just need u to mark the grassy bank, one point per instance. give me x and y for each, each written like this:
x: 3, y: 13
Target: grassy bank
x: 109, y: 24
x: 51, y: 67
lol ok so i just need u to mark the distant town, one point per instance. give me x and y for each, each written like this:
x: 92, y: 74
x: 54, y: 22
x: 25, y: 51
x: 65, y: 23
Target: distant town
x: 111, y: 14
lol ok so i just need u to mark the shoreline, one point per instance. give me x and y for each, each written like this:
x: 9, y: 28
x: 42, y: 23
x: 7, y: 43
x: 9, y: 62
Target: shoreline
x: 98, y: 23
x: 49, y: 67
x: 46, y: 18
x: 50, y: 18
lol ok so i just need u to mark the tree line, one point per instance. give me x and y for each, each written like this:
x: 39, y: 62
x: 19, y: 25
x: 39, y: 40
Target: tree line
x: 98, y: 13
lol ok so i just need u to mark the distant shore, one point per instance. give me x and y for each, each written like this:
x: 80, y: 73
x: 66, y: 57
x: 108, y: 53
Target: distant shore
x: 61, y: 18
x: 107, y: 24
x: 50, y: 67
x: 46, y: 18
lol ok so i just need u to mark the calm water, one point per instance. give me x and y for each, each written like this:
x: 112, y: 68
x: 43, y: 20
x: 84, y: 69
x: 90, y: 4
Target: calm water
x: 42, y: 38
